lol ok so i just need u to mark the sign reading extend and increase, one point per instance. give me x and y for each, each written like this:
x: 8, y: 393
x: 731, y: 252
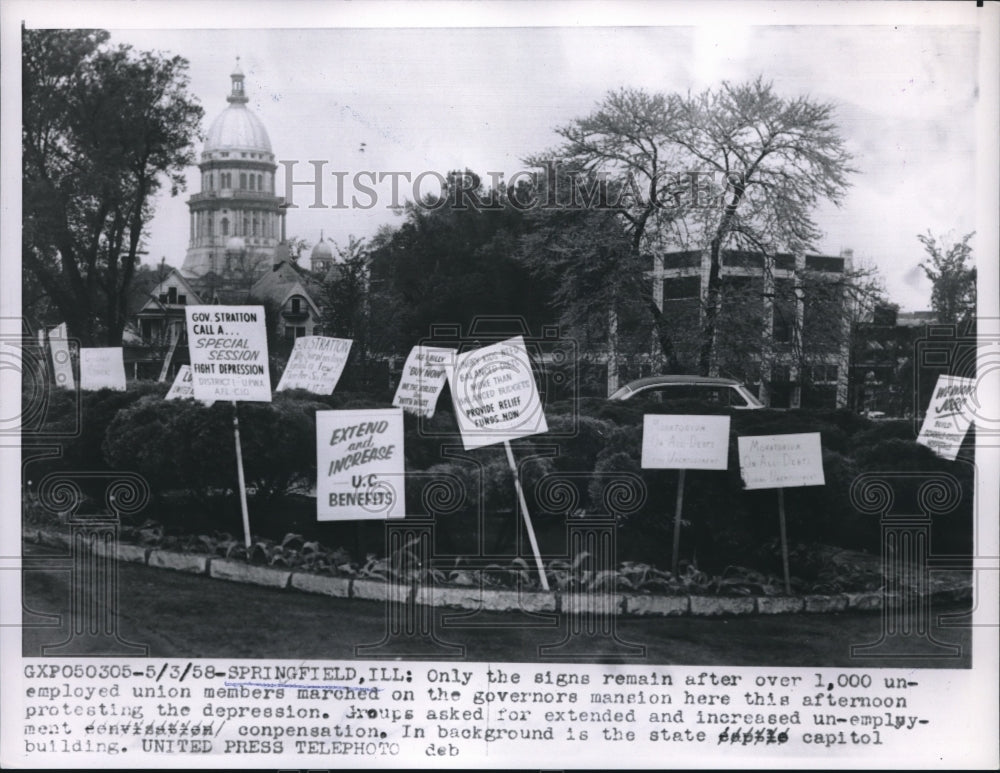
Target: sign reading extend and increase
x: 948, y: 416
x: 495, y: 395
x: 102, y: 369
x: 315, y: 364
x: 685, y: 442
x: 423, y: 378
x: 359, y: 464
x: 781, y: 461
x: 228, y: 346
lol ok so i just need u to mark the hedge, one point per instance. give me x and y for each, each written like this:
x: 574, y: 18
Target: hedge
x: 185, y: 451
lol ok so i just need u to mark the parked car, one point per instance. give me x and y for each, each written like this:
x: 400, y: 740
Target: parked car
x: 726, y: 392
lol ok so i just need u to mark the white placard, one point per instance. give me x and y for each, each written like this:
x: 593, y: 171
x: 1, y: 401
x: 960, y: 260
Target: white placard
x: 102, y: 368
x: 62, y: 362
x: 228, y: 346
x: 424, y: 376
x: 781, y: 461
x: 948, y: 416
x: 182, y: 388
x: 685, y: 442
x: 495, y: 395
x: 315, y: 364
x: 359, y: 464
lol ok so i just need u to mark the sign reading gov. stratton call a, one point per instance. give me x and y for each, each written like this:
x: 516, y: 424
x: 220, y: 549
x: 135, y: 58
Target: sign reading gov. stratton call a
x: 228, y: 347
x: 495, y: 396
x: 359, y: 464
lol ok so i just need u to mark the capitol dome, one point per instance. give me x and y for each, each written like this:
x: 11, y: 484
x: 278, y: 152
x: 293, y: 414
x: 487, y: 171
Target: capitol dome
x: 237, y: 129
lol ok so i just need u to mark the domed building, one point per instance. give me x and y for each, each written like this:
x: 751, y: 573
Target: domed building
x: 321, y: 258
x: 237, y: 200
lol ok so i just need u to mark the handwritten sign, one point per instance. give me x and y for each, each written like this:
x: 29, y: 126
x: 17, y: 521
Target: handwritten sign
x: 62, y: 363
x: 685, y: 442
x: 424, y: 375
x: 359, y: 464
x: 948, y: 416
x: 182, y: 388
x: 495, y: 396
x: 781, y: 461
x: 228, y: 346
x: 316, y: 364
x: 102, y: 368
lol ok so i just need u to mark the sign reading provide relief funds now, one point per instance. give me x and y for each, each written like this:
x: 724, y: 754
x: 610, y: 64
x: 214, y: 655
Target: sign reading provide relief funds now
x: 359, y: 464
x: 495, y: 396
x: 228, y: 347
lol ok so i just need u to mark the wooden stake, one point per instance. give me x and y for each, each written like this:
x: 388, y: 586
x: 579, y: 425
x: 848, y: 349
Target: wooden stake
x: 242, y: 480
x: 784, y: 540
x: 527, y: 517
x: 676, y: 557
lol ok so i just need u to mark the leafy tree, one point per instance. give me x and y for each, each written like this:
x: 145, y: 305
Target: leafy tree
x: 453, y: 260
x: 953, y: 296
x: 735, y: 168
x: 105, y: 128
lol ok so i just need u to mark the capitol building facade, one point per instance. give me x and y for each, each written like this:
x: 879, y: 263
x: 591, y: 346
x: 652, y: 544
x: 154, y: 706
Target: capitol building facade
x: 236, y: 215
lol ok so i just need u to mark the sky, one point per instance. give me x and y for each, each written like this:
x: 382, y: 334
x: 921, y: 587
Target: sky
x: 436, y: 98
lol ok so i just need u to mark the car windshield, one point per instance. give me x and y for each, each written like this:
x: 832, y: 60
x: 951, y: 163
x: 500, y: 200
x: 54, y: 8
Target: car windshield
x: 707, y: 393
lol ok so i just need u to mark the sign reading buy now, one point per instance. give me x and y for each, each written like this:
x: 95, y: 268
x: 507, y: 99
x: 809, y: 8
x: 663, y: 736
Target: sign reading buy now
x: 228, y: 346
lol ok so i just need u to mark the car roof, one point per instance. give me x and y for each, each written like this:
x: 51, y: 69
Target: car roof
x: 664, y: 380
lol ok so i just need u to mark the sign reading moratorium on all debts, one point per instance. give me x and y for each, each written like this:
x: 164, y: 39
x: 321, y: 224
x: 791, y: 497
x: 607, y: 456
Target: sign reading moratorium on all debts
x: 495, y: 396
x: 228, y: 347
x: 359, y: 464
x: 424, y: 374
x: 102, y: 369
x: 316, y: 364
x: 781, y: 461
x: 948, y: 416
x: 685, y: 442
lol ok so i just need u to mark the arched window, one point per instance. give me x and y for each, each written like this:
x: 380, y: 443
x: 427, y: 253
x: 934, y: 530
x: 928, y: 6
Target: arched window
x: 253, y: 183
x: 256, y: 224
x: 225, y: 226
x: 260, y: 182
x: 243, y: 181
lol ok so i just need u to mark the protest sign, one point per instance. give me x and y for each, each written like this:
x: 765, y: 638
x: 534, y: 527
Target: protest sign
x: 316, y: 364
x: 181, y: 389
x: 948, y: 416
x: 62, y: 363
x: 359, y: 464
x: 685, y: 442
x: 102, y: 368
x: 495, y: 396
x: 228, y: 346
x: 781, y: 461
x: 424, y: 374
x: 496, y: 401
